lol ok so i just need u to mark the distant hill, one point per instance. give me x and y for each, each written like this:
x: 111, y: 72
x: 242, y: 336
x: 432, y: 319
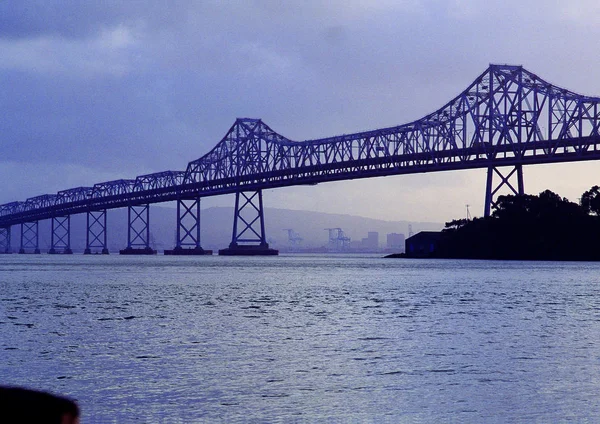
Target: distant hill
x: 216, y: 228
x: 311, y: 226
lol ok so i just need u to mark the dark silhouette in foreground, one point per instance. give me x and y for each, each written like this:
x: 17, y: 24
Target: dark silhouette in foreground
x: 527, y: 227
x: 19, y: 405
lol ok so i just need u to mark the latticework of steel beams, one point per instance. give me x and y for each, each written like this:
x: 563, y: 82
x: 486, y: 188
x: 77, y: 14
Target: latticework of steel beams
x: 30, y: 237
x: 60, y: 235
x: 158, y: 181
x: 507, y: 117
x: 491, y: 191
x: 96, y: 232
x: 5, y: 240
x: 188, y: 224
x: 138, y: 229
x: 248, y: 220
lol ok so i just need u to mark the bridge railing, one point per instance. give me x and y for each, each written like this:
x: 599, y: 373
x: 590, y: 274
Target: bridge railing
x: 159, y: 180
x: 112, y: 188
x: 9, y: 208
x: 39, y: 202
x: 73, y: 195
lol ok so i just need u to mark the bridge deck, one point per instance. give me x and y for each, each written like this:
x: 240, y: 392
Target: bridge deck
x: 506, y: 117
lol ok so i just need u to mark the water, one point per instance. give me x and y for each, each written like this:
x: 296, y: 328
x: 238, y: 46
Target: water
x: 304, y: 338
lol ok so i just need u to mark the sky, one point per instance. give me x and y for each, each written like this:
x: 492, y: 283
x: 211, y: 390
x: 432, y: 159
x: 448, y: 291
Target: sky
x: 103, y: 90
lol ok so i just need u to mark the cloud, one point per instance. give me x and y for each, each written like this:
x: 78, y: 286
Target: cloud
x: 127, y: 88
x: 108, y: 53
x: 30, y: 180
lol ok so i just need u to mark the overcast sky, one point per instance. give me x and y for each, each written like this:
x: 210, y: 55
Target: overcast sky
x: 101, y: 90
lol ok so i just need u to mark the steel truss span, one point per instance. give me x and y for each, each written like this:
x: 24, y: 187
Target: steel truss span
x: 507, y: 117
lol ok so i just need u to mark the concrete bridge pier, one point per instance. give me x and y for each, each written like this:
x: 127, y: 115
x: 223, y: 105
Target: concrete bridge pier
x: 138, y: 231
x: 30, y: 237
x: 248, y: 237
x: 96, y: 232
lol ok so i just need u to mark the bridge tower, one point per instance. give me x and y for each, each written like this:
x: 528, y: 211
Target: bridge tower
x: 188, y: 229
x: 30, y: 237
x: 96, y: 232
x: 5, y: 240
x: 506, y: 179
x: 60, y: 236
x: 138, y: 231
x: 248, y: 236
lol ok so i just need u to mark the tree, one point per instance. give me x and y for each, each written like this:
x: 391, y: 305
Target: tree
x: 545, y: 226
x: 455, y: 224
x: 590, y: 200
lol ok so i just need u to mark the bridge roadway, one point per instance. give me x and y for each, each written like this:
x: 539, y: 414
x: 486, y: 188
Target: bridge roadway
x: 508, y: 117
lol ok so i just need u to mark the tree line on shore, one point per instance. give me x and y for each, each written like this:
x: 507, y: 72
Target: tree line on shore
x: 542, y: 227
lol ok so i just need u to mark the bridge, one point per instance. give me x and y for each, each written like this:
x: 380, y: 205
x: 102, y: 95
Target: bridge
x: 507, y: 118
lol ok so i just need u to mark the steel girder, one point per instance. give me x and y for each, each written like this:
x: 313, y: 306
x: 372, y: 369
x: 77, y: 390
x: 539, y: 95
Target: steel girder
x: 5, y: 242
x: 112, y: 188
x: 188, y: 224
x: 506, y: 113
x: 138, y: 229
x: 507, y: 117
x: 60, y: 235
x: 248, y: 220
x: 160, y: 180
x: 73, y: 195
x: 505, y: 181
x: 96, y: 232
x: 30, y: 237
x: 9, y: 208
x: 39, y: 202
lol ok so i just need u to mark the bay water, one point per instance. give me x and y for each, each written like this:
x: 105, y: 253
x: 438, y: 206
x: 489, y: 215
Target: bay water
x: 304, y: 338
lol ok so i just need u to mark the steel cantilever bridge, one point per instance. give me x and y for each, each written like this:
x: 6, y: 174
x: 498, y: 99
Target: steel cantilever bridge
x: 508, y: 117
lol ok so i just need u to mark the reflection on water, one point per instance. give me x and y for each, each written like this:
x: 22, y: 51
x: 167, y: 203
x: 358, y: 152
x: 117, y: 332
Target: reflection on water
x: 349, y: 338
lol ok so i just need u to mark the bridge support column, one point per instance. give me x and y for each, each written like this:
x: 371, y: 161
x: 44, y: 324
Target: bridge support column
x: 5, y: 240
x: 96, y: 232
x: 505, y: 180
x: 248, y: 237
x: 188, y: 229
x: 30, y: 237
x: 60, y: 237
x: 138, y: 231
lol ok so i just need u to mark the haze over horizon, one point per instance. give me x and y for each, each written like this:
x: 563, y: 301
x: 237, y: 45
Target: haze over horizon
x: 101, y: 91
x: 216, y: 228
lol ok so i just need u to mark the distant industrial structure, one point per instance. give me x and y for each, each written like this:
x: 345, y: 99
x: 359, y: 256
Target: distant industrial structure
x: 294, y: 239
x: 372, y: 240
x: 338, y: 241
x: 395, y: 242
x: 369, y: 243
